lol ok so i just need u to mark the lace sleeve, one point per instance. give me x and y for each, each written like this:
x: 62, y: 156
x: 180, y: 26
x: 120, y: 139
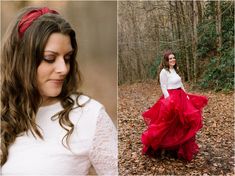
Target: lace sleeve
x: 104, y: 151
x: 163, y: 82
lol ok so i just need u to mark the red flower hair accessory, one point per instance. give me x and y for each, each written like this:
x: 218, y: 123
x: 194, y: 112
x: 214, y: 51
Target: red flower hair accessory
x: 29, y: 17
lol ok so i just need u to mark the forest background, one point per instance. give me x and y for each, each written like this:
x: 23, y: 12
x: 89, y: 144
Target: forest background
x: 201, y: 33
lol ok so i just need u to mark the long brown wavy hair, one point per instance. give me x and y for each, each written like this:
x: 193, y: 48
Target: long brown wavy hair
x: 165, y: 63
x: 20, y: 98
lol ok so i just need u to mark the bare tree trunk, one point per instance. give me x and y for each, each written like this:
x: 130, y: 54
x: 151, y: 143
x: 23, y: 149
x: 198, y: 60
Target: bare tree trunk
x: 218, y: 27
x: 172, y: 21
x: 185, y: 44
x: 137, y: 40
x: 199, y: 8
x: 180, y: 25
x: 194, y: 40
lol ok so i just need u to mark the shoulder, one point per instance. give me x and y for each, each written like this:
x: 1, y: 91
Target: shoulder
x: 85, y: 116
x: 85, y: 113
x: 163, y: 71
x: 88, y: 105
x: 86, y: 101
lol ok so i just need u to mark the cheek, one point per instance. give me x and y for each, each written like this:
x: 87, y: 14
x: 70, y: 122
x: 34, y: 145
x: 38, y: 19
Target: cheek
x: 42, y: 73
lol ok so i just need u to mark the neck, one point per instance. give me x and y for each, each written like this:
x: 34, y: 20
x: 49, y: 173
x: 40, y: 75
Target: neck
x: 49, y: 101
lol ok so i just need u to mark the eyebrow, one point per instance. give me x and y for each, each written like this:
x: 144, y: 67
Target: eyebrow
x: 70, y: 52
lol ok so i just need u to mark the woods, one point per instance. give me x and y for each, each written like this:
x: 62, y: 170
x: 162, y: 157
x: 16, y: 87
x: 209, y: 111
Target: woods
x: 216, y: 156
x: 199, y: 32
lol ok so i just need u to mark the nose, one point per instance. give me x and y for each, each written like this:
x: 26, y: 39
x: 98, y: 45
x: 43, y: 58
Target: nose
x: 61, y: 67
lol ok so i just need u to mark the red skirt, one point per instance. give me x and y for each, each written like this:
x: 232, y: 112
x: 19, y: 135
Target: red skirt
x: 173, y: 123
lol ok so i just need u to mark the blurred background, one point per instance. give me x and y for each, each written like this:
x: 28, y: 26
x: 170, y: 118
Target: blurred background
x: 95, y: 23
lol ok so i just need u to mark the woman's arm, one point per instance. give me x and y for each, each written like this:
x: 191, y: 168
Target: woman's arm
x: 163, y: 83
x: 104, y: 152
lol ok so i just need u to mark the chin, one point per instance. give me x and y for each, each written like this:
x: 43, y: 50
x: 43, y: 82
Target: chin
x: 53, y: 94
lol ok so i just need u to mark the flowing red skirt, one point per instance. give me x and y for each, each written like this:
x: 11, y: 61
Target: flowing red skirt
x: 173, y: 123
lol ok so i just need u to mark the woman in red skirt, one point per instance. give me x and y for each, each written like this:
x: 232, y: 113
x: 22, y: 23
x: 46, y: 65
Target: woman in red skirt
x: 175, y: 118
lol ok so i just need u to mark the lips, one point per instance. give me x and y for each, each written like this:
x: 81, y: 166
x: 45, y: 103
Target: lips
x: 56, y: 81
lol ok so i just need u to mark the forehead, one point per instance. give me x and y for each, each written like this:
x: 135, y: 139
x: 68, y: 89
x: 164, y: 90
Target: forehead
x: 58, y: 42
x: 171, y: 56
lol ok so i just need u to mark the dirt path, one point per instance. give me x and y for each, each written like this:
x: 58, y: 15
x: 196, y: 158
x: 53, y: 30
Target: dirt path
x: 216, y: 139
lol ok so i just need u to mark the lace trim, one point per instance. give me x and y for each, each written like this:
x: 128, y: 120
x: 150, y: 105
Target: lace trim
x: 104, y: 151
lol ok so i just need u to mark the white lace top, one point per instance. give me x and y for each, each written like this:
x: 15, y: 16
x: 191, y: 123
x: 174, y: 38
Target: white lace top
x: 93, y: 142
x: 170, y: 80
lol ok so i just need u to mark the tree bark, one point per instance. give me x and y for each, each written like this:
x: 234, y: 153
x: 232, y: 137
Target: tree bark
x: 185, y: 39
x: 194, y: 41
x: 218, y: 28
x: 199, y: 8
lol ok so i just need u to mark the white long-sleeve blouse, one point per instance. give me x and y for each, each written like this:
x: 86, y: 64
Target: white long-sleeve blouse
x: 93, y: 142
x: 169, y: 80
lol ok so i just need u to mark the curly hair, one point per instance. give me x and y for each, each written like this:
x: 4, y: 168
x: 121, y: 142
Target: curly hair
x: 20, y: 97
x: 165, y: 61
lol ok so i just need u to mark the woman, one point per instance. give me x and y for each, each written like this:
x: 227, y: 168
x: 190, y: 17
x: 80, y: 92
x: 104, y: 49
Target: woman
x: 175, y: 118
x: 47, y: 126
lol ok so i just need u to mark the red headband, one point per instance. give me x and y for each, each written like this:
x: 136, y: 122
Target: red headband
x: 29, y: 17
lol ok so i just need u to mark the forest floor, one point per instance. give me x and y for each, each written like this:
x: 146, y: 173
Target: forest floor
x: 215, y: 139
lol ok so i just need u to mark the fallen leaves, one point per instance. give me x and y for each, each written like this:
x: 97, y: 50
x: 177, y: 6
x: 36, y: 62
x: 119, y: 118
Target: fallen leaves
x: 216, y: 138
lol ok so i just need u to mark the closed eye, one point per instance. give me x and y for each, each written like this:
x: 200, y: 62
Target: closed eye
x: 49, y: 59
x: 51, y: 56
x: 67, y: 58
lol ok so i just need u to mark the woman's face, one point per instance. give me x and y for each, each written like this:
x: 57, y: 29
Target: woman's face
x: 52, y: 71
x: 172, y: 60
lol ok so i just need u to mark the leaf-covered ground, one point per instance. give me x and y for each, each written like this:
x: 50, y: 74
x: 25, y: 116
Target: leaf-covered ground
x: 215, y: 139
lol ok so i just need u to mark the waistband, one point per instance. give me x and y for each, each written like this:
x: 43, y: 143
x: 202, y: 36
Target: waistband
x: 175, y: 89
